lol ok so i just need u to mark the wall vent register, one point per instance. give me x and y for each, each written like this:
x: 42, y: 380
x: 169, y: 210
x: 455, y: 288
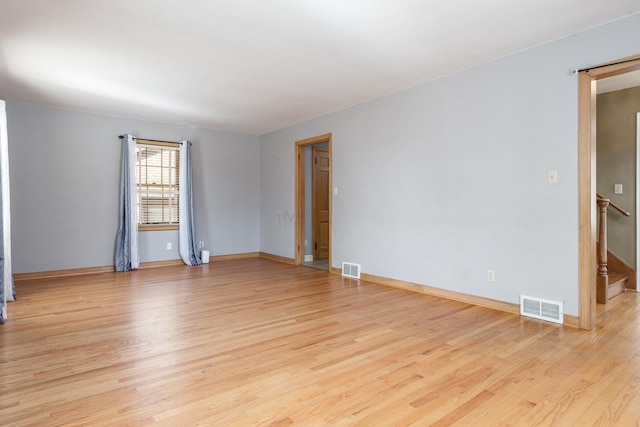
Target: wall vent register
x: 351, y: 270
x: 543, y: 309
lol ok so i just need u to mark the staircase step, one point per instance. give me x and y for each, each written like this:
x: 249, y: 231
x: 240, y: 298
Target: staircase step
x: 617, y: 284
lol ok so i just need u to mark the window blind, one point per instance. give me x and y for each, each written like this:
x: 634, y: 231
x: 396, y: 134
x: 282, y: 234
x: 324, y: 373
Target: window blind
x: 157, y: 172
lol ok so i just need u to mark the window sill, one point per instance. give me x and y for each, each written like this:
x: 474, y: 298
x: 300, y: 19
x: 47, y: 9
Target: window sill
x: 158, y: 227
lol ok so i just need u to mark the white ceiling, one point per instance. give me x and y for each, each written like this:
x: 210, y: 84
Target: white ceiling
x: 254, y: 66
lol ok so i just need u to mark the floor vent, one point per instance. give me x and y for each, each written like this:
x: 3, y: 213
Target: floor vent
x: 541, y: 309
x: 351, y: 270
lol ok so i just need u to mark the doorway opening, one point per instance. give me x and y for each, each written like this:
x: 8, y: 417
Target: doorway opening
x: 313, y: 202
x: 587, y: 181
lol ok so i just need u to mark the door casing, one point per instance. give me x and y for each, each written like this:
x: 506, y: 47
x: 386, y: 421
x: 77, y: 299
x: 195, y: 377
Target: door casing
x: 587, y: 181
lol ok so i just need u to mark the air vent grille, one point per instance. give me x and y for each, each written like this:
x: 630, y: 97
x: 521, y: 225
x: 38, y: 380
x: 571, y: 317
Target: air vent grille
x: 541, y: 309
x: 351, y: 270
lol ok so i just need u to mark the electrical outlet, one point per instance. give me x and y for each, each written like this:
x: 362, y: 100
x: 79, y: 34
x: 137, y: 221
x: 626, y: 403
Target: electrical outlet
x: 491, y: 276
x: 169, y: 246
x: 201, y: 244
x: 306, y: 242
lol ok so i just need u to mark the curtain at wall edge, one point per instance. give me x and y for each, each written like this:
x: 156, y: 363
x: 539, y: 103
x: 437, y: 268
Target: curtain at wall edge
x: 186, y: 228
x: 127, y: 255
x: 7, y: 287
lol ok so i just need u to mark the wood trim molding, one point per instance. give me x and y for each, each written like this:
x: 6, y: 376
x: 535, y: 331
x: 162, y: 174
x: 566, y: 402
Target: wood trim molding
x: 229, y: 257
x: 614, y: 68
x: 314, y: 140
x: 587, y: 201
x: 156, y: 264
x: 573, y: 321
x: 451, y: 295
x: 62, y: 273
x: 143, y: 265
x: 443, y: 293
x: 89, y: 270
x: 277, y: 258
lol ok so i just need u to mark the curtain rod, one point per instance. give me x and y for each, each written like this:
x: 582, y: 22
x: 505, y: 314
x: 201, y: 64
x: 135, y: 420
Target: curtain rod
x: 153, y: 140
x: 626, y: 61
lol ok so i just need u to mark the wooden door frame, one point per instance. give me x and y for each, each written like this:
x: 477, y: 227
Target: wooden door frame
x: 300, y: 195
x: 587, y: 181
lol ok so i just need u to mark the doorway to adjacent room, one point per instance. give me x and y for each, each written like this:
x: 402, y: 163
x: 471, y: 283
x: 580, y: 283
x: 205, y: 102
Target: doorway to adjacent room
x: 313, y: 202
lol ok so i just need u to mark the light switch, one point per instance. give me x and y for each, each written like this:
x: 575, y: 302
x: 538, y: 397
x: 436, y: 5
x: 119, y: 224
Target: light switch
x: 335, y: 191
x: 552, y: 177
x: 617, y: 188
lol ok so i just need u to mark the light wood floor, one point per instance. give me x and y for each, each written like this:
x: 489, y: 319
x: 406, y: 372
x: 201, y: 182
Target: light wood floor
x: 255, y: 342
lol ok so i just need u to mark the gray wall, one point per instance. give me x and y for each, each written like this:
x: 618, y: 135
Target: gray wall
x: 65, y: 168
x: 442, y: 182
x: 616, y: 159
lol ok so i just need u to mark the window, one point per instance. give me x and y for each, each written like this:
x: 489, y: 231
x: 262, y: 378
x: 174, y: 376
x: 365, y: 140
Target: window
x: 158, y: 195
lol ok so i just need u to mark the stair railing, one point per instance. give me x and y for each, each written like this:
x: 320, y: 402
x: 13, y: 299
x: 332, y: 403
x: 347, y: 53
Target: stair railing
x: 603, y: 204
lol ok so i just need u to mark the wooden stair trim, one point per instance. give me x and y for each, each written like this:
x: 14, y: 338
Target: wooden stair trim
x: 616, y: 277
x: 610, y: 286
x: 607, y: 285
x: 602, y: 289
x: 617, y: 285
x: 617, y: 265
x: 613, y: 205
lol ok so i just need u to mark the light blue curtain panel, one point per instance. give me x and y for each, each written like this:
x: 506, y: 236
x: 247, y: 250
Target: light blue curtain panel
x: 186, y: 229
x: 7, y: 287
x: 127, y: 257
x: 3, y: 293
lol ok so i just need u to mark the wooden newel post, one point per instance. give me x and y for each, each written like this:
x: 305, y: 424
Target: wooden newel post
x: 603, y: 204
x: 603, y: 292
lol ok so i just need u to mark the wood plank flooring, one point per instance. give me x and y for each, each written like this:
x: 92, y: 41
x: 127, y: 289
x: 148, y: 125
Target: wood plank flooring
x: 255, y: 342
